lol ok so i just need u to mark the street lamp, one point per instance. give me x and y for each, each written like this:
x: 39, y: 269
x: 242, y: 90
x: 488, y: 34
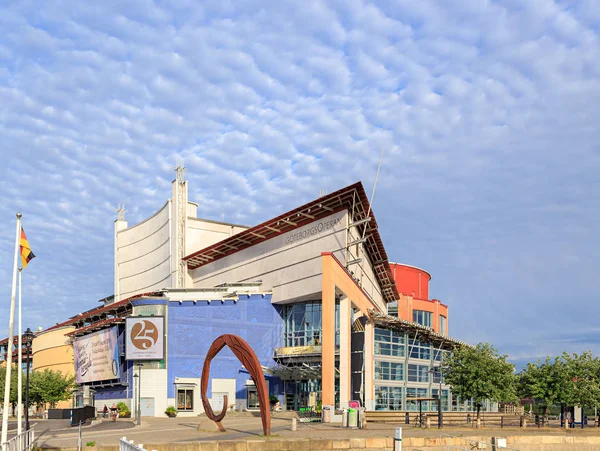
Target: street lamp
x: 438, y: 370
x: 29, y: 336
x: 138, y: 376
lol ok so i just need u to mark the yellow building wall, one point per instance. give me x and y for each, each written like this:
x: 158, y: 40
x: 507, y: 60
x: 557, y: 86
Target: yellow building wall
x: 52, y: 349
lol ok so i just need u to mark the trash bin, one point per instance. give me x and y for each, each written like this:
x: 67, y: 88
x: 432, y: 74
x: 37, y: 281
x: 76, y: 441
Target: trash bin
x: 352, y: 418
x: 326, y: 414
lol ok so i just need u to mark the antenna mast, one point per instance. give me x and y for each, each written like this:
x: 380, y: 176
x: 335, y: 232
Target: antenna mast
x: 373, y: 192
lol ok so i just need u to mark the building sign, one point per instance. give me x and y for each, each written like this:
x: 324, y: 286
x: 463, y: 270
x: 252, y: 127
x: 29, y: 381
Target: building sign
x: 96, y: 356
x: 144, y: 338
x: 313, y: 229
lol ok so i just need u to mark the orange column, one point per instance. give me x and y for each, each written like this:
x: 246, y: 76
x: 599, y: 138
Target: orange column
x: 328, y: 336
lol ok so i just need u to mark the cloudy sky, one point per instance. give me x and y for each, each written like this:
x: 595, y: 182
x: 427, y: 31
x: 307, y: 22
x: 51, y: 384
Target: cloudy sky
x: 487, y: 111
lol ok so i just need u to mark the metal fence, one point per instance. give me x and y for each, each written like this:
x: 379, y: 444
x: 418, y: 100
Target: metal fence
x: 20, y: 442
x: 128, y: 445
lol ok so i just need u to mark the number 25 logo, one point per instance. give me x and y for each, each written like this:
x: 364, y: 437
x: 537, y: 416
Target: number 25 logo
x: 144, y: 335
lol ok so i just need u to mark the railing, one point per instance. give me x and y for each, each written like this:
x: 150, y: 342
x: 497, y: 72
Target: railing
x: 127, y: 445
x: 20, y: 442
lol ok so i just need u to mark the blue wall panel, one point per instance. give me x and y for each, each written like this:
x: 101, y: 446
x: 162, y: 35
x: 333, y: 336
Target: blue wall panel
x: 193, y: 328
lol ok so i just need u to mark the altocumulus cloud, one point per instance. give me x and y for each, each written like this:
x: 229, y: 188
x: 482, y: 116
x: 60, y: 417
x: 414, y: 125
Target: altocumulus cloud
x: 487, y: 111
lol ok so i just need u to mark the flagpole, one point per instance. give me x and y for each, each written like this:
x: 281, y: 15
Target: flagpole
x: 20, y: 364
x: 11, y: 329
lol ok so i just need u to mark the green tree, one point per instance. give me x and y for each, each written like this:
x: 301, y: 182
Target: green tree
x: 582, y: 385
x: 480, y: 373
x: 50, y: 387
x: 14, y: 381
x: 545, y: 382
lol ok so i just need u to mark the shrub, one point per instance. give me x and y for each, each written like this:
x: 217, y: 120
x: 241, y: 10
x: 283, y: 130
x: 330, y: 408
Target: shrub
x: 124, y: 411
x: 92, y: 443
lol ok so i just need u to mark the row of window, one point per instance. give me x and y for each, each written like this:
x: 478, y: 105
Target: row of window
x: 394, y: 371
x: 391, y: 398
x: 393, y: 344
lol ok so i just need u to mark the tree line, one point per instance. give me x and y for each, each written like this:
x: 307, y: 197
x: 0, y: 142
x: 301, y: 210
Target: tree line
x: 481, y: 373
x: 45, y: 387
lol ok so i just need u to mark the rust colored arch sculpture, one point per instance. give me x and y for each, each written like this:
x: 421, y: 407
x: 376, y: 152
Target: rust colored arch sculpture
x: 246, y: 355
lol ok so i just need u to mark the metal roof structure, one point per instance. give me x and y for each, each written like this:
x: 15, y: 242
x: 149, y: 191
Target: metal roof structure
x: 421, y: 332
x: 95, y: 326
x: 352, y: 198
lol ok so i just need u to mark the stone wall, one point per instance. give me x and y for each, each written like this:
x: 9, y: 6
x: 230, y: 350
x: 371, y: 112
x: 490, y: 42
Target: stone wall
x: 521, y: 443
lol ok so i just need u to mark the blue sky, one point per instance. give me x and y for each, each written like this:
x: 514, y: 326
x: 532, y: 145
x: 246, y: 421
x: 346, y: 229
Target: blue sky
x: 487, y: 111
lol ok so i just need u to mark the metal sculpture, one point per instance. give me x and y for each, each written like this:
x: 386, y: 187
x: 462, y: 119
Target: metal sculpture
x: 246, y: 355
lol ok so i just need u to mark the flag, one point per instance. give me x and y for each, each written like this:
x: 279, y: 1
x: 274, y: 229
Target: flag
x: 26, y: 254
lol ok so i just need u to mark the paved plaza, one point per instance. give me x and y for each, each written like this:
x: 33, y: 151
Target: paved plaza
x: 58, y: 433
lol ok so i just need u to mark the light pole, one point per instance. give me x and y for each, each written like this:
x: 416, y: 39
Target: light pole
x: 29, y: 336
x: 138, y: 376
x: 438, y: 370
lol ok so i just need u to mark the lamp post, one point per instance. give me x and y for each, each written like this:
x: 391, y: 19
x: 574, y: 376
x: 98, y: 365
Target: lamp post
x: 138, y: 376
x: 29, y: 336
x: 438, y: 370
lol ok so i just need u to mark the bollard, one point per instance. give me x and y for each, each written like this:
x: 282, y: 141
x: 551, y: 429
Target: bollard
x: 407, y: 418
x: 345, y: 418
x: 293, y: 424
x: 398, y: 440
x: 428, y: 423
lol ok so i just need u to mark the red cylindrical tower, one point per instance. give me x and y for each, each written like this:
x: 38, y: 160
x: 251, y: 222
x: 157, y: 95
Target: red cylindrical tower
x: 414, y: 303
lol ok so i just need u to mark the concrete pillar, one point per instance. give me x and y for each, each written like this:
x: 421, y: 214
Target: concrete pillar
x: 345, y: 336
x: 328, y: 345
x: 120, y: 224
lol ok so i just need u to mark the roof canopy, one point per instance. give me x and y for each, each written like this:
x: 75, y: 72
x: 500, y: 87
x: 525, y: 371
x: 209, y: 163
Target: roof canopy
x: 352, y: 198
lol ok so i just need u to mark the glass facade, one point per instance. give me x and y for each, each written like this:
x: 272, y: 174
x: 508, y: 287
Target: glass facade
x: 302, y: 324
x: 388, y: 398
x: 405, y: 369
x: 422, y: 317
x: 389, y: 343
x: 418, y: 373
x: 389, y: 371
x: 419, y: 350
x: 415, y: 392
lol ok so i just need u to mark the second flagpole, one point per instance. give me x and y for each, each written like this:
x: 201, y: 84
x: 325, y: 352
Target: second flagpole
x: 11, y: 330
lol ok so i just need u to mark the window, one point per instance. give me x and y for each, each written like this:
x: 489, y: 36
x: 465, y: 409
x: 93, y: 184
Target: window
x: 416, y: 393
x: 434, y: 394
x: 393, y: 308
x: 419, y: 350
x: 437, y: 375
x: 388, y: 398
x: 422, y: 317
x: 442, y: 325
x: 390, y: 343
x: 418, y: 373
x: 389, y: 371
x: 302, y: 324
x: 185, y: 399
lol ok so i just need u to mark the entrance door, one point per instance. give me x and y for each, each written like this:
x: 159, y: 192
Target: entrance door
x: 147, y: 407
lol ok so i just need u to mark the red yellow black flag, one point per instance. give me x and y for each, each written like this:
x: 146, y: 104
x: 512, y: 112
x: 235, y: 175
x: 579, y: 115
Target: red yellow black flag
x: 26, y: 254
